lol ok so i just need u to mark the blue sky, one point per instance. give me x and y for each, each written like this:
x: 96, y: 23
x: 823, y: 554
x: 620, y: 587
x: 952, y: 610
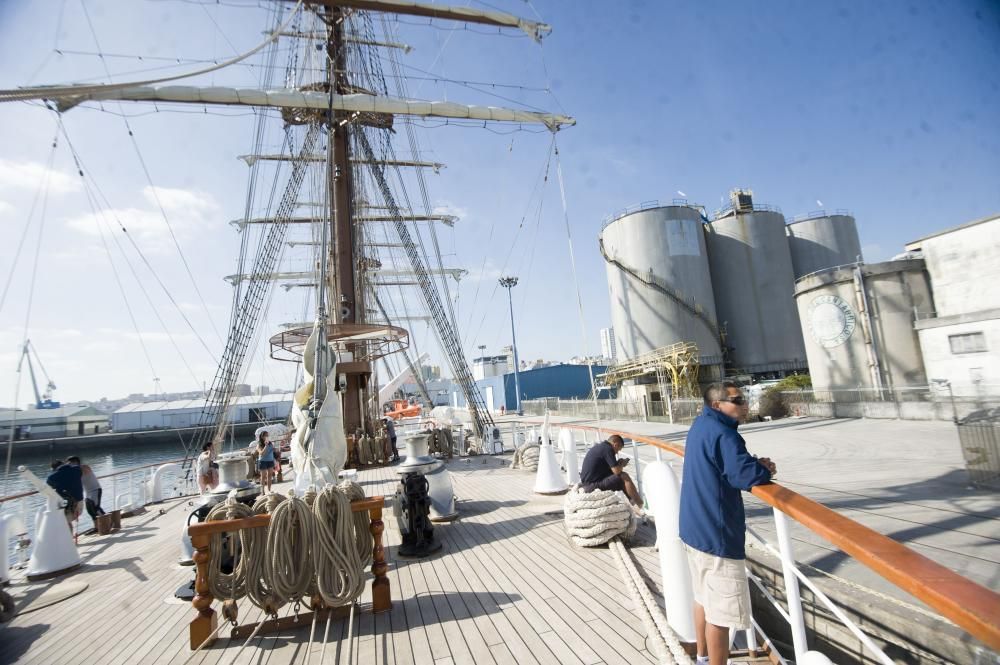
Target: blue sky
x: 886, y: 109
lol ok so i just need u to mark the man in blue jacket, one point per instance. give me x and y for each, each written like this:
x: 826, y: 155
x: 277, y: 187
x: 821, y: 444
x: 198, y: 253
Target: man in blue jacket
x: 717, y: 467
x: 67, y: 481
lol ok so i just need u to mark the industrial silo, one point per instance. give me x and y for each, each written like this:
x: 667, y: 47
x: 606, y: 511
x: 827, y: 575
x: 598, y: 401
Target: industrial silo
x: 820, y: 241
x: 659, y: 282
x: 858, y: 325
x: 754, y: 288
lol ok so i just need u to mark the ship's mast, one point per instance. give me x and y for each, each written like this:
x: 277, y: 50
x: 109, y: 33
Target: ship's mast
x: 347, y: 302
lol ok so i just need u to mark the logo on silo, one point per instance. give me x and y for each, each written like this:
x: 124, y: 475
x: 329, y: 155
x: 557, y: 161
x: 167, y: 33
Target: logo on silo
x: 831, y: 320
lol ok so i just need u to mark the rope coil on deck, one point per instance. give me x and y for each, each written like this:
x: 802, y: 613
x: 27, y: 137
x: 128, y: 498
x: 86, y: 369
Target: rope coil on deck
x: 594, y: 518
x: 526, y: 457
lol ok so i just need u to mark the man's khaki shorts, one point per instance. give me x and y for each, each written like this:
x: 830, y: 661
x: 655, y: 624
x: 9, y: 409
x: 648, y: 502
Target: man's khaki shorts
x: 720, y: 586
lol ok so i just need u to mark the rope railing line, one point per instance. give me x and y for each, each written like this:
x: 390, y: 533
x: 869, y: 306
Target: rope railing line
x: 969, y: 605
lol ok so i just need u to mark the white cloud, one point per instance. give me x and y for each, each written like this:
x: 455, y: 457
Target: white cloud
x: 187, y: 211
x: 5, y: 208
x: 32, y: 175
x: 448, y: 208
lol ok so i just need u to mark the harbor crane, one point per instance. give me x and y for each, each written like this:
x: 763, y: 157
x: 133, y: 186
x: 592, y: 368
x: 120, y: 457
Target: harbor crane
x: 43, y: 400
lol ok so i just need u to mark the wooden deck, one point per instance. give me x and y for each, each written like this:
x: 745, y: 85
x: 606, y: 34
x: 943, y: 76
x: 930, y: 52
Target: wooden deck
x: 506, y: 587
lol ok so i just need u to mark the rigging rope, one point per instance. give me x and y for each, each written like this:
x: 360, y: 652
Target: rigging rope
x: 56, y: 91
x: 669, y: 648
x: 43, y: 193
x: 572, y: 261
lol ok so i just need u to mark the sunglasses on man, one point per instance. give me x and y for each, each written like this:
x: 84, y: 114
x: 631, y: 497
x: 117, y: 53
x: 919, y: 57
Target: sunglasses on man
x: 738, y: 401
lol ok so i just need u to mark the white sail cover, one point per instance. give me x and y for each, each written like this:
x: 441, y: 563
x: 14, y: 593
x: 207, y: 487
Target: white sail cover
x: 288, y: 98
x: 318, y: 454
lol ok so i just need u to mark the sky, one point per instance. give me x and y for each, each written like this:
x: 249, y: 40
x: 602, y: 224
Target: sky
x: 885, y: 109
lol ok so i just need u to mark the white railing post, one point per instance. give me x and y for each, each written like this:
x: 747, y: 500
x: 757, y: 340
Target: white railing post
x: 795, y: 617
x: 659, y: 455
x: 638, y: 474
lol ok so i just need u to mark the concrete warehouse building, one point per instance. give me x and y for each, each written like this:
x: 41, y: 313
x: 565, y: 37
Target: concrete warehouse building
x: 960, y: 336
x: 189, y: 412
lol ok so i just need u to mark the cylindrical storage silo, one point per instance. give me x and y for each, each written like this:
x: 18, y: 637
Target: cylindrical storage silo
x: 754, y: 292
x: 659, y: 282
x: 858, y: 325
x: 824, y: 241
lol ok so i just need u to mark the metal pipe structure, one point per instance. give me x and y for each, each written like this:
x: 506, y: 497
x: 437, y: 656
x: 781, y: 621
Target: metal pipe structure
x: 509, y: 283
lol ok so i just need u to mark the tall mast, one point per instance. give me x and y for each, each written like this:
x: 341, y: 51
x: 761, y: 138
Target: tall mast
x: 347, y: 302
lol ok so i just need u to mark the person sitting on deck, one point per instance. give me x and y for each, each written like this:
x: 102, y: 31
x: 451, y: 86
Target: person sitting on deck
x: 602, y: 470
x: 67, y: 481
x: 91, y: 487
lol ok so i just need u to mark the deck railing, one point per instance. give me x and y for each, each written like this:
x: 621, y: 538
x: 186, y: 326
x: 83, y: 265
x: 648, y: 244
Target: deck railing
x: 972, y: 607
x: 128, y: 488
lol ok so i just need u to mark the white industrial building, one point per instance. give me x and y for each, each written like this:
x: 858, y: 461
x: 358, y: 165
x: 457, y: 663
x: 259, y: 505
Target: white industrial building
x: 960, y: 339
x: 190, y: 412
x: 52, y: 423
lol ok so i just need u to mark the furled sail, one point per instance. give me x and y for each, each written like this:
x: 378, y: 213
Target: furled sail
x: 319, y: 450
x: 306, y: 99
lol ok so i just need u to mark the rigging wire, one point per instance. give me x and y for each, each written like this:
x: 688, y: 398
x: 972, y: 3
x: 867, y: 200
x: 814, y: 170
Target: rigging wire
x: 142, y: 256
x: 63, y: 90
x: 27, y: 226
x: 44, y: 195
x: 152, y: 187
x: 99, y: 216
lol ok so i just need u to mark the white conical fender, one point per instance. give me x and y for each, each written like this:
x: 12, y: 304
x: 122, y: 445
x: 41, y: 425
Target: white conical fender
x: 663, y: 493
x: 548, y: 478
x: 54, y: 552
x: 568, y: 445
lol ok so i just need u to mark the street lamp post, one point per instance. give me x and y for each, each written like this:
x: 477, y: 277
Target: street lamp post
x: 509, y: 283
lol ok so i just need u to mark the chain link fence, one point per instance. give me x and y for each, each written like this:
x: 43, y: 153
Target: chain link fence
x: 680, y: 411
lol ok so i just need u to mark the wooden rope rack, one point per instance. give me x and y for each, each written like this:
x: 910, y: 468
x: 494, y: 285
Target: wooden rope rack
x: 204, y: 627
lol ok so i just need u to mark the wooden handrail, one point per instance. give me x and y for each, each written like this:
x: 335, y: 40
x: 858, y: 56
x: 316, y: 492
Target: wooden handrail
x: 969, y: 605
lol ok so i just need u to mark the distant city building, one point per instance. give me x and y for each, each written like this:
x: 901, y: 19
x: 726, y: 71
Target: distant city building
x: 509, y: 352
x: 243, y: 390
x: 608, y: 344
x: 536, y: 364
x: 430, y: 372
x: 488, y: 366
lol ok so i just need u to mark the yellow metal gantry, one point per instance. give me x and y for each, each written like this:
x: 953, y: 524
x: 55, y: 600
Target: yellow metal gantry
x: 679, y: 361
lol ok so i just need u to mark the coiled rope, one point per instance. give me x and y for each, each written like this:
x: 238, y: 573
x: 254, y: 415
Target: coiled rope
x: 290, y: 555
x: 233, y: 585
x: 666, y: 643
x: 594, y: 518
x: 339, y: 573
x: 526, y: 457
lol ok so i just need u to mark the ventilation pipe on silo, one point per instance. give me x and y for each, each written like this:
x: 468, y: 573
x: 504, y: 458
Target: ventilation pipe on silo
x: 871, y: 346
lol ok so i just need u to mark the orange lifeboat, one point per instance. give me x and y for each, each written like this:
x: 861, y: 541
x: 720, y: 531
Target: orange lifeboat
x: 400, y: 408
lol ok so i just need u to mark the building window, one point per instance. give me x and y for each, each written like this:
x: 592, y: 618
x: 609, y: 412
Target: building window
x: 967, y: 343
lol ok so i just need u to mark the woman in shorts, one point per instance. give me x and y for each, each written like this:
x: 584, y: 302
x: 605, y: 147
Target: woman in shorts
x: 265, y: 460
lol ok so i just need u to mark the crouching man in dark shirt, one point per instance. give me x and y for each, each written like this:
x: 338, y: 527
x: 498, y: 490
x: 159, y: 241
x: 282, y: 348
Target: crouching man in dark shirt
x: 602, y: 470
